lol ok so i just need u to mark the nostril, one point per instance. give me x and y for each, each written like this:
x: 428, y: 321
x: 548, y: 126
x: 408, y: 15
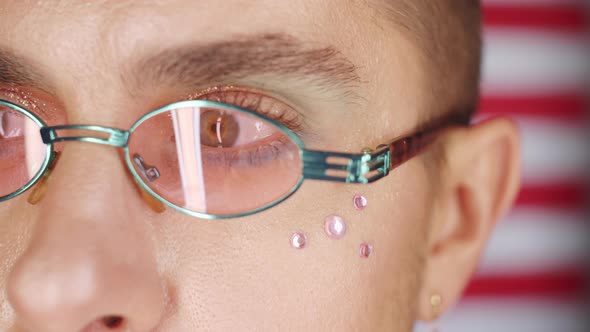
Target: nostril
x: 113, y: 322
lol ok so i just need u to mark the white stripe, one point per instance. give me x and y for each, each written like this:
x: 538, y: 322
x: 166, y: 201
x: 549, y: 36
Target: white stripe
x: 552, y: 151
x: 520, y: 61
x: 514, y: 315
x: 534, y: 240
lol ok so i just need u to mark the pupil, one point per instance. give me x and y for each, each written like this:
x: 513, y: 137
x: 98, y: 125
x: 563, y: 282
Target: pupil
x: 218, y: 129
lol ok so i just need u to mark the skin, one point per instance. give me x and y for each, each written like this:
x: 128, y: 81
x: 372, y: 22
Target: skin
x: 92, y: 247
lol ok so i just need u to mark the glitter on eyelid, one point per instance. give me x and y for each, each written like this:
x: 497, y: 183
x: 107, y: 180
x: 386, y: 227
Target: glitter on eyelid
x: 212, y: 89
x: 254, y: 100
x: 25, y: 100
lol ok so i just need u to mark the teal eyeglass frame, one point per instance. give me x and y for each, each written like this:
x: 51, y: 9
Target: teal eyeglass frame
x: 365, y: 167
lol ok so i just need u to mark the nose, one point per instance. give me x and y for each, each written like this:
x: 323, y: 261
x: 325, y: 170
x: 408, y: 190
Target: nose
x: 90, y: 264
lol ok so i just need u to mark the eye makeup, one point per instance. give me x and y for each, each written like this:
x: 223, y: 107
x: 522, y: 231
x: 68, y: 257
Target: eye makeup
x: 11, y: 124
x: 256, y: 101
x: 37, y: 102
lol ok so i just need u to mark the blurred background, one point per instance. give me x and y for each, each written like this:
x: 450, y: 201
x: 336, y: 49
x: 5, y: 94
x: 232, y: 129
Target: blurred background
x: 534, y: 275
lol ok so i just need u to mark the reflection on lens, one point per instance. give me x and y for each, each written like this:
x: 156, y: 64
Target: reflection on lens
x: 218, y: 128
x: 149, y: 172
x: 217, y: 160
x: 22, y: 151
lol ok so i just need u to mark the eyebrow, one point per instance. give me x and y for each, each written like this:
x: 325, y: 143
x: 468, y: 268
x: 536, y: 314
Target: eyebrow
x: 243, y: 56
x: 16, y: 70
x: 202, y: 64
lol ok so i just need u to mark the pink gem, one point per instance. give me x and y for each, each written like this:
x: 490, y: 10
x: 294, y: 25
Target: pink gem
x: 359, y: 201
x: 365, y: 250
x: 335, y: 227
x: 298, y: 240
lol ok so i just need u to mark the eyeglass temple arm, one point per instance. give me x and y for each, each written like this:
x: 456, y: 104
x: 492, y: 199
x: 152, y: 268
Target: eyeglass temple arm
x: 366, y: 167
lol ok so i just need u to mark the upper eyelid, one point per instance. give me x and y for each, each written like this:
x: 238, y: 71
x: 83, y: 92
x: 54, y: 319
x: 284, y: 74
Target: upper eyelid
x: 43, y: 109
x: 291, y: 117
x: 238, y: 89
x: 50, y: 114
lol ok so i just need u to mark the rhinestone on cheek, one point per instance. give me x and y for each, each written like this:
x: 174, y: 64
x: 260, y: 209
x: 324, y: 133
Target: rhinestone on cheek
x: 359, y: 201
x: 365, y: 250
x: 335, y: 227
x: 298, y: 240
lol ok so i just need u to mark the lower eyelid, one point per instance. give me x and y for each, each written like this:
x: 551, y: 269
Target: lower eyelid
x: 250, y: 157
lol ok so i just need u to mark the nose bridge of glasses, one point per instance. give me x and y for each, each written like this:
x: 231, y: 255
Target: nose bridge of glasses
x: 84, y: 133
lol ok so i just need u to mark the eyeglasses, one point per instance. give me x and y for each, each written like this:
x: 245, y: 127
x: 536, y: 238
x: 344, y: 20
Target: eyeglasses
x: 204, y: 158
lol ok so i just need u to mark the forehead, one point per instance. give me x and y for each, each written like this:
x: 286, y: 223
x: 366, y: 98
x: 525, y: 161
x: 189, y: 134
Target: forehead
x: 124, y: 25
x: 71, y: 34
x: 81, y: 47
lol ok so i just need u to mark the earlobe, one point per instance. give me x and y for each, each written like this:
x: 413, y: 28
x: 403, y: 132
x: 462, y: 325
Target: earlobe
x: 481, y: 179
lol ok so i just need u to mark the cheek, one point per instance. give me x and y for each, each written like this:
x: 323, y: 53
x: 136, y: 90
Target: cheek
x: 245, y: 272
x: 15, y: 232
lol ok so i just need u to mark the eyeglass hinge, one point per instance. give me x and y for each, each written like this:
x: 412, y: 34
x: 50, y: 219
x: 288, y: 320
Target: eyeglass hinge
x: 351, y: 168
x: 372, y: 165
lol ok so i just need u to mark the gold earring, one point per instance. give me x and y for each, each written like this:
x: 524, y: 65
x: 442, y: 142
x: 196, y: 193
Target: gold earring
x: 435, y: 303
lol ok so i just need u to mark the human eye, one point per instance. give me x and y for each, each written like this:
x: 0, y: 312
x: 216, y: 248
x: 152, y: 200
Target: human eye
x: 221, y: 149
x: 21, y: 148
x: 11, y: 142
x: 231, y: 129
x: 257, y: 101
x: 233, y: 138
x: 11, y: 124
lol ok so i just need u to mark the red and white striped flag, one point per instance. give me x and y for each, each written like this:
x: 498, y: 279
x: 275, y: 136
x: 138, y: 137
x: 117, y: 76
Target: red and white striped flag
x: 533, y: 276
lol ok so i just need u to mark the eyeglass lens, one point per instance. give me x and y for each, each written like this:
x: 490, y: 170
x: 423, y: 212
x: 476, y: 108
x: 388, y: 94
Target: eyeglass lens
x: 211, y: 160
x: 22, y: 152
x: 215, y: 160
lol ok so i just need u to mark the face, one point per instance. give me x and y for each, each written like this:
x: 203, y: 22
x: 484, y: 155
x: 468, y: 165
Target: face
x: 92, y: 255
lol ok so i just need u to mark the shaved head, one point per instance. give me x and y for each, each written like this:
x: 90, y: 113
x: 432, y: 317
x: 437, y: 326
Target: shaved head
x: 449, y: 34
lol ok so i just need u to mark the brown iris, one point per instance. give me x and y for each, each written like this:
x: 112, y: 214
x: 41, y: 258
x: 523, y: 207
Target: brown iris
x: 218, y: 129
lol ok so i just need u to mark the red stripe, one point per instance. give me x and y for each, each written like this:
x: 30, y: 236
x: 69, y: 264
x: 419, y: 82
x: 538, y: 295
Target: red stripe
x: 566, y: 283
x: 560, y: 195
x: 572, y: 107
x: 552, y: 16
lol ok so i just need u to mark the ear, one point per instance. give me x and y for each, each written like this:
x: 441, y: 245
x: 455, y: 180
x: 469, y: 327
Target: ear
x: 480, y: 178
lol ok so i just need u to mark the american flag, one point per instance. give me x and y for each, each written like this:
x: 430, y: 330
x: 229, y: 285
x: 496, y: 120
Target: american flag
x: 536, y: 69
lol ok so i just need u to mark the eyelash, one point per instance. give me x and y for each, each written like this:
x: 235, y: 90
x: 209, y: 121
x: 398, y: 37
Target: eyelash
x: 256, y: 102
x: 32, y: 101
x: 259, y: 103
